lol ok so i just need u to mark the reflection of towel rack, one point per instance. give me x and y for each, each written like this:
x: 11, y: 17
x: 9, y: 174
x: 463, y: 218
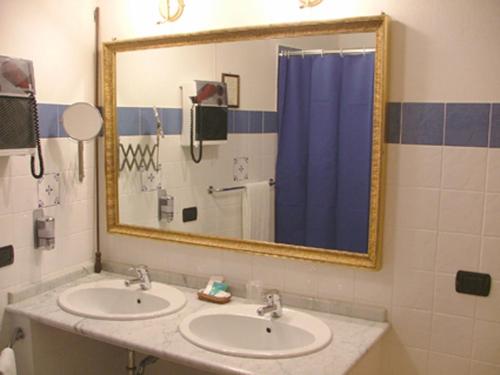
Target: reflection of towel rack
x: 17, y: 335
x: 212, y: 190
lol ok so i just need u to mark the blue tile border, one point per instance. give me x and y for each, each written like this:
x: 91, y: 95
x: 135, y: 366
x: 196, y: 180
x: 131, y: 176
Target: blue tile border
x: 449, y: 124
x: 255, y: 124
x: 128, y: 121
x: 48, y: 120
x: 270, y: 122
x: 467, y: 124
x: 241, y: 120
x: 495, y: 126
x: 141, y: 121
x: 422, y: 123
x: 172, y: 120
x: 393, y: 127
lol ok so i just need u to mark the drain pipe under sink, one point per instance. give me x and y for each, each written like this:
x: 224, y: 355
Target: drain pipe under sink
x: 130, y: 362
x: 141, y: 370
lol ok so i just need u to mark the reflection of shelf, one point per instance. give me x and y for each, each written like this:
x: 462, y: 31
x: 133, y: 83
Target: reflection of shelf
x: 17, y: 152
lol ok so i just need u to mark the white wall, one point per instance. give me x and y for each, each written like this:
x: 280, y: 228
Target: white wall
x: 441, y: 51
x: 440, y: 48
x: 58, y: 37
x: 153, y: 77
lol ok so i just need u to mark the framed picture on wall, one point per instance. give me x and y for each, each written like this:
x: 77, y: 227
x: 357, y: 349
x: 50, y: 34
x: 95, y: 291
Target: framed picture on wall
x: 232, y: 82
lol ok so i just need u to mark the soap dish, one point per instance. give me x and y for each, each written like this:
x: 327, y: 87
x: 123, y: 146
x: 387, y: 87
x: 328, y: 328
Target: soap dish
x: 205, y: 297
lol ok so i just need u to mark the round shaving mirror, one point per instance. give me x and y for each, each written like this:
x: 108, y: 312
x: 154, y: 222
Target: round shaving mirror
x: 82, y: 122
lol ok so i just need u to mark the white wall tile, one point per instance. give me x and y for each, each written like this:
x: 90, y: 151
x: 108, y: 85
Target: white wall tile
x: 236, y: 267
x: 23, y: 229
x: 206, y: 263
x: 461, y: 212
x: 493, y: 179
x: 408, y: 361
x: 6, y: 196
x: 457, y: 252
x: 335, y: 282
x: 18, y: 198
x: 487, y: 342
x: 492, y: 215
x: 415, y: 208
x: 488, y: 308
x: 271, y: 271
x: 6, y: 230
x: 414, y: 166
x: 442, y: 364
x: 24, y: 194
x: 413, y: 249
x: 481, y: 368
x: 20, y: 166
x: 300, y: 278
x: 448, y: 301
x: 490, y: 259
x: 413, y: 289
x: 464, y: 168
x: 452, y: 334
x: 412, y: 327
x: 374, y: 287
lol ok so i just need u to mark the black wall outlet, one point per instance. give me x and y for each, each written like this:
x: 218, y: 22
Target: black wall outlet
x: 475, y: 283
x: 189, y: 214
x: 6, y: 255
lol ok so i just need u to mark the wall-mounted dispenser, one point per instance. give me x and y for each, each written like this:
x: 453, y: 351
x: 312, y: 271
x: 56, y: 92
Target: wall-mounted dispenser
x: 165, y: 206
x: 204, y: 115
x: 19, y: 130
x: 45, y: 230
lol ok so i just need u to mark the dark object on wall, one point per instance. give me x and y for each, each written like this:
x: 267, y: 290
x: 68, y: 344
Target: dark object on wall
x: 6, y: 255
x: 232, y: 82
x: 189, y: 214
x: 475, y: 283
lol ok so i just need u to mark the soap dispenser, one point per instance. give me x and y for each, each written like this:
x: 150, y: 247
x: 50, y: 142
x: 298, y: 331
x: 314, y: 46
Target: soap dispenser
x: 165, y: 206
x: 45, y: 231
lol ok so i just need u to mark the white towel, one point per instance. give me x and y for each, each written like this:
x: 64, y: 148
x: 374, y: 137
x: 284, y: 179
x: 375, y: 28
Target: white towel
x: 257, y: 210
x: 7, y: 362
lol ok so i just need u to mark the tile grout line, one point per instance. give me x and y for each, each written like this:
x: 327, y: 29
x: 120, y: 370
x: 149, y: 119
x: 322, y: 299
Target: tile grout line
x: 401, y: 123
x: 438, y: 235
x: 483, y: 223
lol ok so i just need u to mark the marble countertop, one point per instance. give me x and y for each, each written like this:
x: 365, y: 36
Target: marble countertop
x: 160, y: 337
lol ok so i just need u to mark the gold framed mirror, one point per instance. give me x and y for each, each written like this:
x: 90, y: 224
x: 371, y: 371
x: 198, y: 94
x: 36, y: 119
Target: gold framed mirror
x: 114, y: 77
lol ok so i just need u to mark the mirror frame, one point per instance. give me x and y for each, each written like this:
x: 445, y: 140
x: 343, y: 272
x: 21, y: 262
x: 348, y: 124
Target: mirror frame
x: 377, y: 24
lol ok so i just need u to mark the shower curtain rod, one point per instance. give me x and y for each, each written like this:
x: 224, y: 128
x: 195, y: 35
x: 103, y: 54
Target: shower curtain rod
x: 326, y: 51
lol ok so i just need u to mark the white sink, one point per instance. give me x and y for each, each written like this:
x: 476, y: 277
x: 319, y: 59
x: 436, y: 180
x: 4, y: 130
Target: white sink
x: 112, y: 300
x: 238, y: 330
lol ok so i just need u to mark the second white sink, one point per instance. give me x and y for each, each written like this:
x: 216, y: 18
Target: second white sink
x: 238, y: 330
x: 112, y: 300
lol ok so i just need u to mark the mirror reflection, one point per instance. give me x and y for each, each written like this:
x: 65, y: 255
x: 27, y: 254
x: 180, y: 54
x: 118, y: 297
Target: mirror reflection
x: 266, y: 140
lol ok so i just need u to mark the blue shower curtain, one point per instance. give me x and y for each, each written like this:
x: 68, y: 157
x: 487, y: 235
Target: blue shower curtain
x: 324, y: 150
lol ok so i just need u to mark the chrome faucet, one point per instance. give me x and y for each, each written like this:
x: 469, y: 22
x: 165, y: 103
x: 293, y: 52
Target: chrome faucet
x: 143, y: 278
x: 273, y: 304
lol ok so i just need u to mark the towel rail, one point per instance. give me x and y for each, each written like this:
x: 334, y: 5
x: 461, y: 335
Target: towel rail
x: 212, y: 190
